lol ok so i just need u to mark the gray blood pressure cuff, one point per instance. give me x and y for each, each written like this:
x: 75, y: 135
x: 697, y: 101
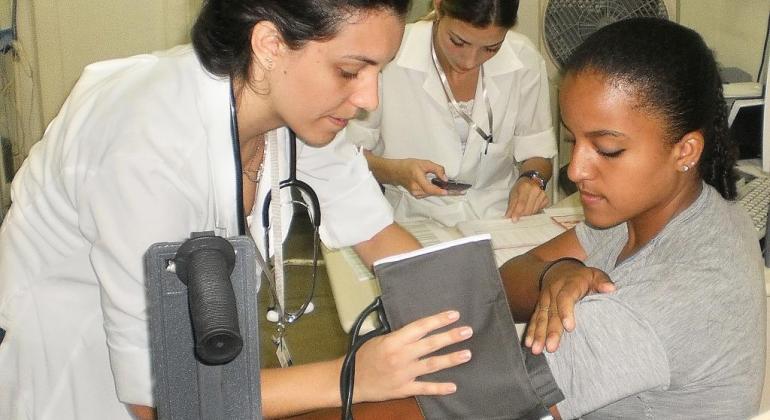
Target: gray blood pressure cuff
x: 541, y: 378
x: 502, y: 380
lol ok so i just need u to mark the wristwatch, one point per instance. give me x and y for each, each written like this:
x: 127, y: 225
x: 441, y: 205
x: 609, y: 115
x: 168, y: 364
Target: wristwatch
x: 536, y: 176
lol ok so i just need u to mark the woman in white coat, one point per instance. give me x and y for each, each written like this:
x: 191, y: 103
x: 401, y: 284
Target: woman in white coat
x: 143, y: 152
x: 462, y: 59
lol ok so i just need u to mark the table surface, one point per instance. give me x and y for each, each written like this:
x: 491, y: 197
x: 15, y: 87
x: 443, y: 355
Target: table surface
x: 352, y: 295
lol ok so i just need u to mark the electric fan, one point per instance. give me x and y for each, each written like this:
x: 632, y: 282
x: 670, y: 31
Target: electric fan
x: 567, y: 23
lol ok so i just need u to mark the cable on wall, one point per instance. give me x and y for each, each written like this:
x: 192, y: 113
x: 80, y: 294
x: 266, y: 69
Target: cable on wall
x: 9, y: 35
x: 763, y: 62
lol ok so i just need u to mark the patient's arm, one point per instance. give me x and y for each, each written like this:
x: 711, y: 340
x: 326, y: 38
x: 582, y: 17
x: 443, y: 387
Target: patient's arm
x: 142, y: 412
x: 550, y: 310
x: 389, y: 241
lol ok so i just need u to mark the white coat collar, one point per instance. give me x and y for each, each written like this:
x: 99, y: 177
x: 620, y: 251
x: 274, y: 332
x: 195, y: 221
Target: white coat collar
x: 214, y: 109
x: 415, y: 52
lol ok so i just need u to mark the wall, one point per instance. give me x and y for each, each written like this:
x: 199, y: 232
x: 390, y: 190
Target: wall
x: 419, y: 9
x: 57, y: 38
x: 734, y: 29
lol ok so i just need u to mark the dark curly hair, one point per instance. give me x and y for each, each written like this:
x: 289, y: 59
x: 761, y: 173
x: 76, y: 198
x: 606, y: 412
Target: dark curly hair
x: 482, y: 13
x: 221, y: 34
x: 674, y: 75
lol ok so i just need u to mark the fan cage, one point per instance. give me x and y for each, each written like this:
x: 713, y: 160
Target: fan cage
x: 567, y: 23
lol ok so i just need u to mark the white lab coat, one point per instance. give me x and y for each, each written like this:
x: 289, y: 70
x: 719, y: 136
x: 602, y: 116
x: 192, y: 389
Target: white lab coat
x: 141, y: 152
x: 414, y: 121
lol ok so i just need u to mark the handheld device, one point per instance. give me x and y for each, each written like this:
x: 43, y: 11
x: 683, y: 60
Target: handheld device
x: 450, y: 185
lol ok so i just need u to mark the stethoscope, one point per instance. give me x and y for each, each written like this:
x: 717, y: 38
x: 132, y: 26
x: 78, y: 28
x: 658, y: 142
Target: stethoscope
x: 310, y: 202
x: 313, y: 207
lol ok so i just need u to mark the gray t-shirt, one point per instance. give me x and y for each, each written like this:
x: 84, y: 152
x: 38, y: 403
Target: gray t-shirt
x: 684, y: 334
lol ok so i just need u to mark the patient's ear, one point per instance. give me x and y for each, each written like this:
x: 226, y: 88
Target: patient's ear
x: 688, y: 150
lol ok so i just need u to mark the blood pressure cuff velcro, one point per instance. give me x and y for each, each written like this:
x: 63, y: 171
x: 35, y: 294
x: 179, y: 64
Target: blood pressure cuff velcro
x: 499, y: 382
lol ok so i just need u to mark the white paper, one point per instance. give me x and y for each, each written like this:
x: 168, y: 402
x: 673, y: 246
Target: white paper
x: 528, y: 231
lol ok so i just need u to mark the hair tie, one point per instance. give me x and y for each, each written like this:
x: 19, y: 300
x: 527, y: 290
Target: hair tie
x: 550, y: 265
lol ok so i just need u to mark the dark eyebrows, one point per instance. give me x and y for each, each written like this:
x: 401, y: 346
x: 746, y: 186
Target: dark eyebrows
x: 362, y: 58
x: 604, y: 133
x: 495, y: 45
x: 596, y: 133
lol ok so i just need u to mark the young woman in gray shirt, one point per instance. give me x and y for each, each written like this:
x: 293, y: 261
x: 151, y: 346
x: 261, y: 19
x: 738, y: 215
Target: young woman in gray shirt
x: 681, y: 332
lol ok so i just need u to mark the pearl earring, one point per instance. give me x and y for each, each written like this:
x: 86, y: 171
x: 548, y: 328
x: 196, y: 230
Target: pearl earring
x: 685, y: 168
x: 269, y: 63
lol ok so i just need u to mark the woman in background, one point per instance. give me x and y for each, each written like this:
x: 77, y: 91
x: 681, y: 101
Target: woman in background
x: 151, y: 148
x: 466, y: 98
x: 683, y: 334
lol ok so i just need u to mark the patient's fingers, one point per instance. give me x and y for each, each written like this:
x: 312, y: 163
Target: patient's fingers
x: 567, y: 299
x: 554, y: 328
x: 538, y: 324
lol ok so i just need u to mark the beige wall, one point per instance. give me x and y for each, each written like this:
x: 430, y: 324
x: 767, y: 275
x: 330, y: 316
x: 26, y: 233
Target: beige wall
x: 57, y: 38
x: 734, y: 29
x: 419, y: 9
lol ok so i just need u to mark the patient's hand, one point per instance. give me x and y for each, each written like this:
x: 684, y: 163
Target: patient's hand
x: 387, y: 367
x: 412, y: 174
x: 564, y: 285
x: 525, y: 198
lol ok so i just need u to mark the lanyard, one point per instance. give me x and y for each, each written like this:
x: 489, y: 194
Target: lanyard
x: 275, y: 280
x: 271, y: 212
x: 451, y: 99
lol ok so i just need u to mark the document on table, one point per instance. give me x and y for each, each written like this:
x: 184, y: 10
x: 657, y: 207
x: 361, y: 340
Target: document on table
x: 568, y: 217
x: 510, y: 239
x: 426, y: 232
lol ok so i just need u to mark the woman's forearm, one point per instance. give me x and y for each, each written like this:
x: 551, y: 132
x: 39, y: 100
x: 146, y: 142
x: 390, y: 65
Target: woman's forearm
x: 301, y: 388
x: 380, y: 167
